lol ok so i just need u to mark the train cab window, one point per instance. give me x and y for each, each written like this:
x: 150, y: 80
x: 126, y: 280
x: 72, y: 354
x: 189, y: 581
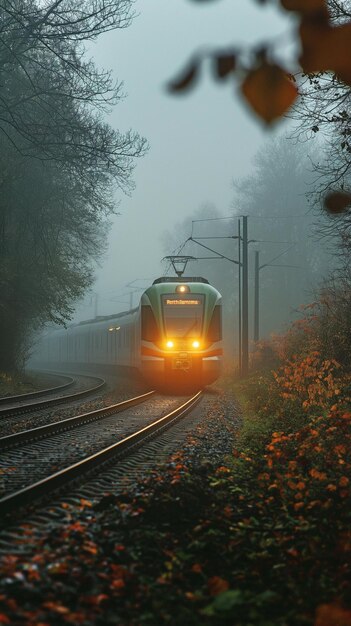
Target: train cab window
x: 215, y: 327
x: 183, y: 314
x: 149, y: 330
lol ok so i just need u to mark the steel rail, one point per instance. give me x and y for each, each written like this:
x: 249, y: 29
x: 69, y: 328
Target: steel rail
x: 41, y: 432
x: 43, y: 404
x: 48, y: 485
x: 39, y: 392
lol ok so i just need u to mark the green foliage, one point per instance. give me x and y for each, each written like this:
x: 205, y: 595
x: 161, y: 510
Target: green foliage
x: 253, y: 395
x: 324, y: 326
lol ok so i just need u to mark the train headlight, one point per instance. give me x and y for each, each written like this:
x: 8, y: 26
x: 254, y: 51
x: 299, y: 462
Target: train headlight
x: 182, y: 289
x: 196, y: 344
x: 169, y: 344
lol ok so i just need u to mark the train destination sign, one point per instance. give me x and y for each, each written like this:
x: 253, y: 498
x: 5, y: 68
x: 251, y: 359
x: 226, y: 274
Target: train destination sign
x: 192, y: 302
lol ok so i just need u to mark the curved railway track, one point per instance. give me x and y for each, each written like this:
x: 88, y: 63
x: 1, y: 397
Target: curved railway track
x: 14, y: 405
x: 62, y: 426
x: 40, y: 392
x: 110, y: 453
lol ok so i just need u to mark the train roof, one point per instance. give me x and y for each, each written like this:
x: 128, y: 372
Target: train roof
x: 180, y: 279
x: 158, y: 281
x: 104, y: 318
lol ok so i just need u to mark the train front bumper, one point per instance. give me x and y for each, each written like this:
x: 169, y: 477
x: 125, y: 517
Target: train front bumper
x: 175, y: 370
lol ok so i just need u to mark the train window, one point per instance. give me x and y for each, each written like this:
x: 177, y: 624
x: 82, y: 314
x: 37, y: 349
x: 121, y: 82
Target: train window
x: 215, y: 327
x: 182, y: 315
x: 149, y: 330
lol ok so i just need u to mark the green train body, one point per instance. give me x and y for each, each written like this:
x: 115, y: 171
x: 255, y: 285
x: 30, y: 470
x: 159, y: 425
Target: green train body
x: 185, y: 345
x: 173, y: 338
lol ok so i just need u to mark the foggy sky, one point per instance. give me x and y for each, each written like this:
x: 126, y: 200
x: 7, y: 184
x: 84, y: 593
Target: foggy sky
x: 198, y: 142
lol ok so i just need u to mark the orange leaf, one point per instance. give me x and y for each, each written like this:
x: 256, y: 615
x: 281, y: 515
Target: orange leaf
x: 57, y: 607
x: 332, y: 614
x: 90, y: 546
x: 269, y: 91
x: 224, y: 64
x: 85, y: 502
x: 337, y: 202
x: 317, y: 474
x: 341, y: 51
x: 216, y: 585
x: 117, y: 583
x: 345, y: 75
x: 325, y: 47
x: 190, y: 596
x: 293, y: 552
x: 186, y: 79
x: 303, y: 6
x: 196, y: 568
x: 77, y: 526
x: 298, y: 506
x: 222, y: 469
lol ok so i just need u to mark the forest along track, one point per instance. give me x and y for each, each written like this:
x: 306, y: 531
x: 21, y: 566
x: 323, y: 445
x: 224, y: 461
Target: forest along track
x: 36, y: 469
x: 15, y: 406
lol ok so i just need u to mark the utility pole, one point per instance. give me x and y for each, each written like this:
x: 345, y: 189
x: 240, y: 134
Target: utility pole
x: 240, y: 304
x: 257, y: 297
x: 243, y: 286
x: 258, y: 268
x: 222, y: 256
x: 245, y: 303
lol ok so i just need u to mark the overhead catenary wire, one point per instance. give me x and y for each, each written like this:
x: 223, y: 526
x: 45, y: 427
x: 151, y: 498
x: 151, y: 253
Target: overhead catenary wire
x: 277, y: 217
x: 223, y: 256
x: 277, y: 257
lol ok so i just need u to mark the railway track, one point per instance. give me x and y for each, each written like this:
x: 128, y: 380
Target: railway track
x: 15, y: 406
x: 40, y: 392
x: 109, y: 429
x: 41, y: 432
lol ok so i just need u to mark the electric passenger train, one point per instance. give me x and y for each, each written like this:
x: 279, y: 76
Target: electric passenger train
x: 173, y: 338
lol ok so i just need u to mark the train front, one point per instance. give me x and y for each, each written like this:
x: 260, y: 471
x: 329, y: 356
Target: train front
x: 181, y: 333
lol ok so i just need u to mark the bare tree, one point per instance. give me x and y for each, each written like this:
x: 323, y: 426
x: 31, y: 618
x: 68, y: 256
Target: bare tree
x: 283, y: 228
x: 59, y: 160
x: 324, y: 112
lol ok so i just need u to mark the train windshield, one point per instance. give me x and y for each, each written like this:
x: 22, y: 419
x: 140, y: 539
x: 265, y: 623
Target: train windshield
x: 182, y: 314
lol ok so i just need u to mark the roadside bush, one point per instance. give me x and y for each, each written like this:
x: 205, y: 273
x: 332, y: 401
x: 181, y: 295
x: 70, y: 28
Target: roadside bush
x: 310, y: 382
x: 333, y: 322
x: 325, y: 326
x: 311, y: 468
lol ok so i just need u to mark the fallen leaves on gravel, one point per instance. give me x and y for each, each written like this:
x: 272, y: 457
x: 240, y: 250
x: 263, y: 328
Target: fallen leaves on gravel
x: 198, y: 542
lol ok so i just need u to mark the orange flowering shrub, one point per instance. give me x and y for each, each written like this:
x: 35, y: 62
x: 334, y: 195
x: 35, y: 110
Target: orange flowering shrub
x: 301, y: 337
x: 308, y: 458
x: 311, y: 467
x: 310, y: 381
x: 294, y: 454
